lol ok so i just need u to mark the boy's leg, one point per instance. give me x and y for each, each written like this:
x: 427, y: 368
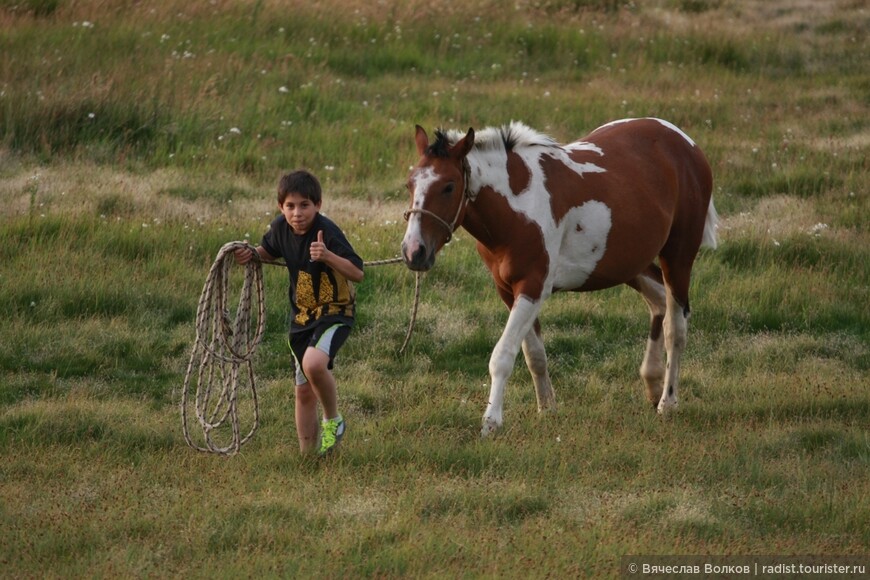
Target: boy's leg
x: 315, y: 364
x: 307, y: 424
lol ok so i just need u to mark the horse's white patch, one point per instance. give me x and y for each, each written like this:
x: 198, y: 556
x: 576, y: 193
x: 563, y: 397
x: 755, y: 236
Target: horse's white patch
x: 584, y: 146
x: 612, y: 123
x: 581, y: 168
x: 667, y: 124
x: 676, y: 129
x: 492, y: 165
x: 421, y: 181
x: 584, y: 242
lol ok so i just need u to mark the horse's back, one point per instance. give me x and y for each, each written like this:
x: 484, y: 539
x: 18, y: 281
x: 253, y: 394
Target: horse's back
x: 661, y: 148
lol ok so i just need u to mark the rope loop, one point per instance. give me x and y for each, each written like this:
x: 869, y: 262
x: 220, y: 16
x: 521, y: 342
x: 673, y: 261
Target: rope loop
x: 223, y: 353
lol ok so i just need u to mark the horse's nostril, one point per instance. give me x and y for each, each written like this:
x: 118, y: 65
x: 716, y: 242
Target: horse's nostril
x: 419, y: 256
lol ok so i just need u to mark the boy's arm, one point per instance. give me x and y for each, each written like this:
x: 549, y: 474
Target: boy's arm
x: 344, y: 267
x: 320, y: 253
x: 244, y: 255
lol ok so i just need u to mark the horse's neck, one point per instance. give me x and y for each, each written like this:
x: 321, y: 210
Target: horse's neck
x: 481, y: 219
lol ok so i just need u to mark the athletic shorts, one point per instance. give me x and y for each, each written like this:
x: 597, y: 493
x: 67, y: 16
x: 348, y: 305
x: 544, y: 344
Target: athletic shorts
x: 327, y: 338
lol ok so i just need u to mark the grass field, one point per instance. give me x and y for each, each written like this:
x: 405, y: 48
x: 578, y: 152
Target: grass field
x: 136, y: 138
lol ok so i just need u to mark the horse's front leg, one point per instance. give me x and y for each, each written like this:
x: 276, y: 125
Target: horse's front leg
x: 501, y: 363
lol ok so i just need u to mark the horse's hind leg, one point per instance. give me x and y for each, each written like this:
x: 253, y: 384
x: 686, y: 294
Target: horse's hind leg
x: 536, y: 360
x: 676, y: 277
x: 651, y: 286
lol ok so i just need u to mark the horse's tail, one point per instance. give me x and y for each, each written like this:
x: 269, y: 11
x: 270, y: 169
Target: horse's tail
x: 711, y: 225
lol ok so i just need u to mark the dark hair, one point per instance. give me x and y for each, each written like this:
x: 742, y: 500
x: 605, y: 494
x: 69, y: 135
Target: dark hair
x: 301, y: 182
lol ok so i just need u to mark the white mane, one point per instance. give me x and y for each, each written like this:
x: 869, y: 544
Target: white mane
x: 512, y: 136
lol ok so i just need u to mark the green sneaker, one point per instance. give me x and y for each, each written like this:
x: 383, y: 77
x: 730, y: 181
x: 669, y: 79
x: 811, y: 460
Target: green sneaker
x: 333, y: 431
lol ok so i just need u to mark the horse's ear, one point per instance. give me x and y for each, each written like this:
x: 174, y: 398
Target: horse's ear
x: 464, y: 145
x: 422, y: 140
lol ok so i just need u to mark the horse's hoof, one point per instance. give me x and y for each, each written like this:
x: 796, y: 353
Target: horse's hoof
x: 653, y: 390
x: 489, y: 427
x: 665, y: 408
x: 654, y: 399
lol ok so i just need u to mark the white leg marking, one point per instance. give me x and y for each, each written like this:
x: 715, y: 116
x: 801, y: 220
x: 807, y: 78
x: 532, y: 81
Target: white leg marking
x: 652, y: 370
x: 501, y: 363
x: 675, y: 328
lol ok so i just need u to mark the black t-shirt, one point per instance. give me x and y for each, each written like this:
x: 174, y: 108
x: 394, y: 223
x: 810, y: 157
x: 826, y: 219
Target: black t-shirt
x: 317, y: 292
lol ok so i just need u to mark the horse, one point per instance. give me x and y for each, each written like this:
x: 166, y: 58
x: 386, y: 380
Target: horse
x: 583, y: 216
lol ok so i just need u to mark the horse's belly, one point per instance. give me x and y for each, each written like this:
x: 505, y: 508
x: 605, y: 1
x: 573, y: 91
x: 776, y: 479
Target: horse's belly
x: 584, y: 242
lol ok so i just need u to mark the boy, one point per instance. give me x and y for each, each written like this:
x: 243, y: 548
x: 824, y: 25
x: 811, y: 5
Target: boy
x: 322, y: 264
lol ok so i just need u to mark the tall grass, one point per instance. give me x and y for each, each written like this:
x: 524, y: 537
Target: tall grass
x: 135, y: 139
x: 248, y: 87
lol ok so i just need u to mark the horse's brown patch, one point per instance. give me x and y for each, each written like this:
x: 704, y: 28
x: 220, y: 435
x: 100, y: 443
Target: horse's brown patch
x: 511, y: 245
x: 564, y: 186
x: 519, y: 174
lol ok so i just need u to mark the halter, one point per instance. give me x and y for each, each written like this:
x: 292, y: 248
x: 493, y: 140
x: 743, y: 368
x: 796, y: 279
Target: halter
x: 466, y: 197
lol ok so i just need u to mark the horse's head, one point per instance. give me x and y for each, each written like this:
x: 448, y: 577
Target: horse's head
x: 437, y: 185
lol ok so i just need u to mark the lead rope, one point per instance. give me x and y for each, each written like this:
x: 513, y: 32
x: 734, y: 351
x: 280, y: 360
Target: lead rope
x: 223, y: 347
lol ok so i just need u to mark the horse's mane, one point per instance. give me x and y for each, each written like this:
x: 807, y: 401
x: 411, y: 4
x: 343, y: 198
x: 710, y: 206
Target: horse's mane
x: 515, y: 135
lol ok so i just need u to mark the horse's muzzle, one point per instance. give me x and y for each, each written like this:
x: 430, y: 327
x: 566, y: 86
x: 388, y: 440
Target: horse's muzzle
x: 418, y: 260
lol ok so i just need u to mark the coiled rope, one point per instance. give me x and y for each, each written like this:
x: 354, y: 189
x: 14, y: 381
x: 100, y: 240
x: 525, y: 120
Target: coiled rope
x: 223, y: 351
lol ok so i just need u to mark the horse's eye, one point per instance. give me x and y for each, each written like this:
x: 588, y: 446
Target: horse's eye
x: 449, y: 189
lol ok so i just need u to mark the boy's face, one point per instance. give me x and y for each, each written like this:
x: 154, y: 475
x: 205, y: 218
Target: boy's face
x: 299, y: 212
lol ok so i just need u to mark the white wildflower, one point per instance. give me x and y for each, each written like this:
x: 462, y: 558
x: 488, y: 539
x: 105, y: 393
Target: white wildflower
x: 818, y: 229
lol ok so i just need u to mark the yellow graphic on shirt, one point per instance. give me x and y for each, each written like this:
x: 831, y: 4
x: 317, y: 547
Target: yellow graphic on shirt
x: 304, y: 298
x: 328, y: 300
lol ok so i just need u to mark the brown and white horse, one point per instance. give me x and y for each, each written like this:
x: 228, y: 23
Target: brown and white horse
x: 584, y: 216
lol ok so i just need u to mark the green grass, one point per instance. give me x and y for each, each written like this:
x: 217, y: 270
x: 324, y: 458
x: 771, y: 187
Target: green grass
x: 136, y: 139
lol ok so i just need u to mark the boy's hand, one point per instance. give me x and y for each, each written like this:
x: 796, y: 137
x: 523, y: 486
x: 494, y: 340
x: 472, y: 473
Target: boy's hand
x: 318, y: 249
x: 243, y: 256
